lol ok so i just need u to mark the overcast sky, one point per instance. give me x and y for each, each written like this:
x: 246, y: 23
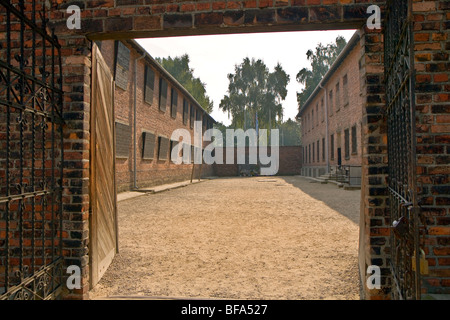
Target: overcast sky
x: 214, y: 57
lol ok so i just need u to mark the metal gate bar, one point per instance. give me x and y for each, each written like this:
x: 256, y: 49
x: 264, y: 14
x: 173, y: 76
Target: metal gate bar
x: 31, y: 154
x: 399, y: 79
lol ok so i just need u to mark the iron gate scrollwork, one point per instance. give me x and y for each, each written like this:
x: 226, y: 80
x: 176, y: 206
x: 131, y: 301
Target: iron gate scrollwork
x: 404, y: 210
x: 31, y: 153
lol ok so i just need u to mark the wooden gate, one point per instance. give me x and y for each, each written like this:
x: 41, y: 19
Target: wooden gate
x: 103, y: 196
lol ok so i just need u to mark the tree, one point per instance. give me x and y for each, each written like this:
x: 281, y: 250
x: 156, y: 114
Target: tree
x: 179, y: 68
x: 254, y: 90
x: 290, y: 133
x: 321, y: 60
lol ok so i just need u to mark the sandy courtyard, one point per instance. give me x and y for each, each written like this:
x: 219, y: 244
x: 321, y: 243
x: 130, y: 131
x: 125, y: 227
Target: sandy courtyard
x: 238, y: 238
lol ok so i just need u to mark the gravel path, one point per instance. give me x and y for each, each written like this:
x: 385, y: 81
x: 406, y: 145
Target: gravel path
x: 238, y: 238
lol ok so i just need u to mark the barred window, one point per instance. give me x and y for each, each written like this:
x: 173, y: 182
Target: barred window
x: 354, y: 141
x: 332, y: 147
x: 162, y: 94
x: 174, y: 102
x: 192, y: 116
x: 313, y: 152
x: 330, y: 102
x: 318, y: 151
x: 185, y: 111
x: 323, y: 149
x: 338, y: 98
x: 148, y: 145
x: 345, y: 88
x: 347, y: 143
x: 149, y: 85
x: 163, y: 148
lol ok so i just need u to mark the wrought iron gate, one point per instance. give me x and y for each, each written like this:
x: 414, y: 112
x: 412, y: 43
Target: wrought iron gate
x: 31, y: 154
x: 404, y: 210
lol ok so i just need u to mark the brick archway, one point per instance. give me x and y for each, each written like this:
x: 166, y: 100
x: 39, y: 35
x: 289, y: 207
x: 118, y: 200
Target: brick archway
x: 120, y: 19
x: 110, y: 19
x: 113, y: 19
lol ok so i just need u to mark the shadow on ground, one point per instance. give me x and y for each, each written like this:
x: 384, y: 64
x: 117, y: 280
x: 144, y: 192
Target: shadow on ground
x: 346, y: 202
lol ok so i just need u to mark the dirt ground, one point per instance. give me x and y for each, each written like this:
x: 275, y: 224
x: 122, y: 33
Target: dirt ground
x: 279, y: 238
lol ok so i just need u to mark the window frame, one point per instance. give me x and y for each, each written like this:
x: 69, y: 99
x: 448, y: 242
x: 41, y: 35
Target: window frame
x: 162, y: 97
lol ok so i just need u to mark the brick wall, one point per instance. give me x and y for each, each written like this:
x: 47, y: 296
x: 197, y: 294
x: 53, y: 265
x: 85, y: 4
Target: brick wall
x: 344, y: 112
x: 139, y: 19
x: 432, y: 65
x: 290, y: 162
x: 149, y: 118
x: 374, y: 218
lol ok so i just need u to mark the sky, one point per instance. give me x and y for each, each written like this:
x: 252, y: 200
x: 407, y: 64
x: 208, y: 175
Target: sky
x: 213, y: 57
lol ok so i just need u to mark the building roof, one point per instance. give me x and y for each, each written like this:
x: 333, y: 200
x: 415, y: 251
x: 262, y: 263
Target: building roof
x: 167, y: 75
x: 342, y: 56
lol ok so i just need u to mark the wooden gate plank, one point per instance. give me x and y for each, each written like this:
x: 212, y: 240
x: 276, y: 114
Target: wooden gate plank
x: 103, y: 219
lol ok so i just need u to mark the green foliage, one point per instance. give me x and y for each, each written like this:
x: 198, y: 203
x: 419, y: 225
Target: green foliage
x: 179, y: 68
x: 321, y: 60
x: 253, y: 89
x: 290, y: 133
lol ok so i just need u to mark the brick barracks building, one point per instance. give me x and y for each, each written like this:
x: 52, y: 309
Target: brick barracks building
x: 331, y: 118
x: 149, y: 104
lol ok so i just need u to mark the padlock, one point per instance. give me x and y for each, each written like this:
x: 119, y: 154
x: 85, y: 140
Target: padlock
x: 400, y: 227
x: 423, y: 263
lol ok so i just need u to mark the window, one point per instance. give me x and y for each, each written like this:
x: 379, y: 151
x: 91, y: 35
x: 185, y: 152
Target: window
x: 173, y: 144
x: 323, y: 110
x: 338, y: 98
x: 123, y: 140
x: 354, y: 141
x: 122, y: 65
x: 313, y: 153
x: 345, y: 89
x: 192, y: 119
x: 318, y: 151
x: 173, y: 102
x: 163, y: 148
x: 332, y: 147
x: 347, y: 143
x: 148, y: 144
x: 185, y: 111
x: 309, y: 154
x: 162, y: 94
x: 317, y: 114
x: 312, y: 118
x: 330, y: 102
x: 149, y: 85
x: 323, y: 149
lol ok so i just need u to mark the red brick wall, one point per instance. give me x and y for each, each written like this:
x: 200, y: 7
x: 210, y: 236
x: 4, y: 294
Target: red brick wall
x: 107, y: 19
x: 342, y: 114
x: 290, y: 162
x: 149, y: 118
x: 432, y: 57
